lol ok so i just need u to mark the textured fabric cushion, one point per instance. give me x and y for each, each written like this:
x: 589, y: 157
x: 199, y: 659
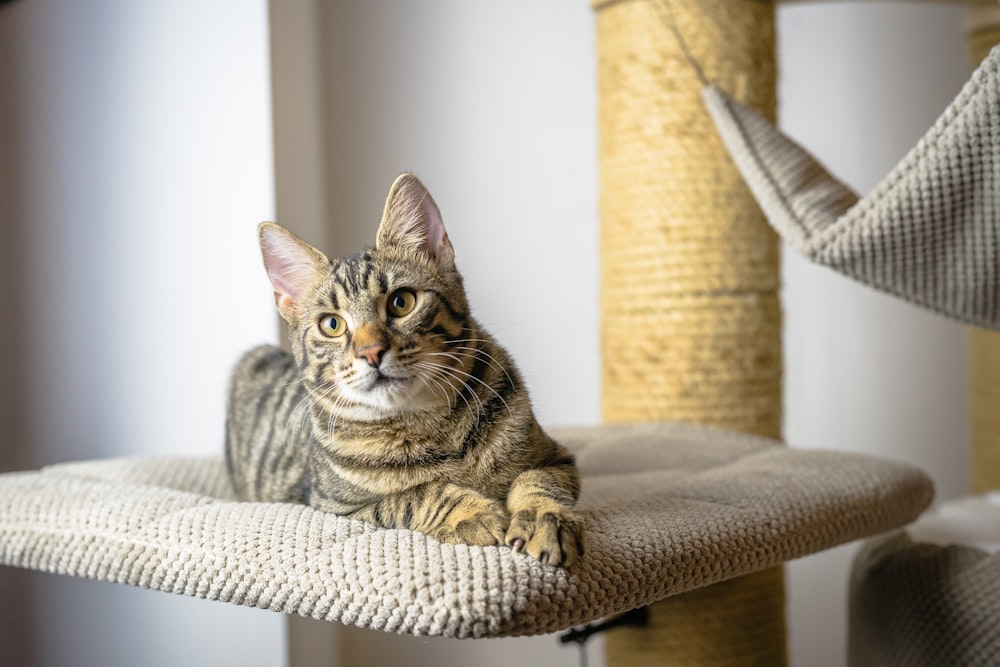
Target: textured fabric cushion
x: 669, y: 507
x: 916, y: 603
x: 929, y: 232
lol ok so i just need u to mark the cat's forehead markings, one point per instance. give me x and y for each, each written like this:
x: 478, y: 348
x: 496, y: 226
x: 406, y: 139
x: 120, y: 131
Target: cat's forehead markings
x: 333, y: 298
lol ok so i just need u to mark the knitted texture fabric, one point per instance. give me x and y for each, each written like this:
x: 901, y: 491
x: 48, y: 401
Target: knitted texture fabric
x: 669, y: 508
x: 914, y: 603
x: 928, y: 233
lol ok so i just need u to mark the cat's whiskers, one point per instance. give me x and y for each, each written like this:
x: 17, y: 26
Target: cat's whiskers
x: 473, y: 377
x: 454, y: 356
x: 303, y: 407
x: 432, y: 385
x: 300, y: 380
x: 478, y: 350
x: 297, y: 417
x: 446, y: 377
x: 450, y: 373
x: 321, y: 397
x: 475, y: 353
x: 429, y: 371
x: 335, y: 414
x: 493, y: 361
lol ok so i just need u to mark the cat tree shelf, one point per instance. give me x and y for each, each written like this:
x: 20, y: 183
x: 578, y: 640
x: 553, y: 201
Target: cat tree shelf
x: 670, y: 508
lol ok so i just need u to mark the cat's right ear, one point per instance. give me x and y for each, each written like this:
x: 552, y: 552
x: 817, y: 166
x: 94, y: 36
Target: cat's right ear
x: 293, y: 266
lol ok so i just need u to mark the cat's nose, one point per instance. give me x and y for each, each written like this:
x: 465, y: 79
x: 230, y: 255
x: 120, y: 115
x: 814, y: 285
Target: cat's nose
x: 372, y: 354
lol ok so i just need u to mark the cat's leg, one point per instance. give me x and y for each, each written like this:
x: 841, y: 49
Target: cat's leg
x: 447, y: 512
x: 542, y: 520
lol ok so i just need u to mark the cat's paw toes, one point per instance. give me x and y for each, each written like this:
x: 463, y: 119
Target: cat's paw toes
x: 554, y: 537
x: 484, y: 528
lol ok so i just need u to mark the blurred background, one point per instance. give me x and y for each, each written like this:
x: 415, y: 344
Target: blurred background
x: 142, y: 141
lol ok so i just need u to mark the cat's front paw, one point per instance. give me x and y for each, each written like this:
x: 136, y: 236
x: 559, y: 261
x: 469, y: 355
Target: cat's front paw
x: 553, y: 536
x: 483, y: 524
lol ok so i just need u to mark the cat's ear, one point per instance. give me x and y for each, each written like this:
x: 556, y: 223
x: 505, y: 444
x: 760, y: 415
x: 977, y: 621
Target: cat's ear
x: 411, y: 219
x: 293, y: 266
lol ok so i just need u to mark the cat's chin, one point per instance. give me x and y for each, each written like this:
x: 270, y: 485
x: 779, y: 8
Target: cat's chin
x: 389, y: 399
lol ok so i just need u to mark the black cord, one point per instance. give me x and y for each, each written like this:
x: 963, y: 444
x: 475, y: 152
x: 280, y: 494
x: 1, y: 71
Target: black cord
x: 666, y: 11
x: 638, y: 618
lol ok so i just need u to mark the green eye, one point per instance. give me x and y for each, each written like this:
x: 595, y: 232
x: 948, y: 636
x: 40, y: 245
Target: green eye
x: 401, y: 302
x: 332, y: 326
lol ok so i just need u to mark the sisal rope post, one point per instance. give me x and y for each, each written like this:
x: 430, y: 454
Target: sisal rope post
x: 983, y: 32
x: 691, y: 321
x: 984, y: 394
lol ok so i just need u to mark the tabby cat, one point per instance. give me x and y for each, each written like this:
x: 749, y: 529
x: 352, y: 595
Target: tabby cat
x: 396, y: 407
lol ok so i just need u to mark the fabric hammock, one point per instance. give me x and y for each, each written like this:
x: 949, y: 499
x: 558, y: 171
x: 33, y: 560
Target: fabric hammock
x: 929, y: 233
x: 669, y: 507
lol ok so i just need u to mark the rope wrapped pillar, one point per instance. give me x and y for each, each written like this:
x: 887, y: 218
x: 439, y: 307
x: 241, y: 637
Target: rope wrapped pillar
x: 691, y: 322
x: 983, y: 32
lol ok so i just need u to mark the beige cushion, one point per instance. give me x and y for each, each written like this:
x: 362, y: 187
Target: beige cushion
x: 670, y: 507
x: 928, y: 233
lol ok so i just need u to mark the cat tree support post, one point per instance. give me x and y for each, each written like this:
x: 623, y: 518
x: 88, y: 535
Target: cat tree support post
x: 983, y: 32
x: 691, y: 324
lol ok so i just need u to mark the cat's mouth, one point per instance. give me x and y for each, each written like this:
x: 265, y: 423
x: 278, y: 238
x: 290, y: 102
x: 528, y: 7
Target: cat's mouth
x: 380, y: 379
x: 382, y: 384
x: 394, y: 392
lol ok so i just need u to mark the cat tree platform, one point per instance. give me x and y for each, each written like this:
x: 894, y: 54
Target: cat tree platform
x: 670, y: 508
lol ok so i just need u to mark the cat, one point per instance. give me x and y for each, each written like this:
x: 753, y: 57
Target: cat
x: 417, y: 417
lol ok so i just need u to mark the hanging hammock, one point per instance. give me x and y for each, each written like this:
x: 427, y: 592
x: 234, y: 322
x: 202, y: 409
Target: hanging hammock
x: 929, y: 233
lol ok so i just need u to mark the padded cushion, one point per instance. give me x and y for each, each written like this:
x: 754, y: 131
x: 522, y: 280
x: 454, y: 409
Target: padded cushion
x: 670, y: 507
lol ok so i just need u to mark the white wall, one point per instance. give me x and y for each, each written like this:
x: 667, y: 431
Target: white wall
x: 144, y: 164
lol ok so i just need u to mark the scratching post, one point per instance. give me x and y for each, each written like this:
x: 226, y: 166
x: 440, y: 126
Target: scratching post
x: 982, y: 28
x: 983, y: 25
x: 984, y: 379
x: 691, y: 323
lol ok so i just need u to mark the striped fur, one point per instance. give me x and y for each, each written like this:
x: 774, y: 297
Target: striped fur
x: 417, y: 417
x: 268, y: 430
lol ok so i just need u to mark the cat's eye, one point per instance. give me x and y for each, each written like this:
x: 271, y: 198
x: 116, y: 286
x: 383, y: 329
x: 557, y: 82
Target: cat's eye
x: 333, y: 326
x: 401, y: 303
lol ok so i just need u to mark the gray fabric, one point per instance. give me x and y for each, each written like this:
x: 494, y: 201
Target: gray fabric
x: 920, y: 604
x: 929, y: 232
x: 670, y: 508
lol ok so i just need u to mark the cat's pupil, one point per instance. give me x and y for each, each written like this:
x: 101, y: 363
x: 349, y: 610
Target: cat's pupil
x: 401, y: 303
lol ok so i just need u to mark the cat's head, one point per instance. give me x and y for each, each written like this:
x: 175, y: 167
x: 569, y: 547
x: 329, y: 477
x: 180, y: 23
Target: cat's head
x: 371, y: 331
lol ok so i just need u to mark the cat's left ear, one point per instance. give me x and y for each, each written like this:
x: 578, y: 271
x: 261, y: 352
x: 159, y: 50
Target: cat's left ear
x: 412, y: 219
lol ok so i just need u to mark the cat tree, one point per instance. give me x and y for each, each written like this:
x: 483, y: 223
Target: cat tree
x: 650, y: 92
x: 700, y: 515
x: 690, y: 274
